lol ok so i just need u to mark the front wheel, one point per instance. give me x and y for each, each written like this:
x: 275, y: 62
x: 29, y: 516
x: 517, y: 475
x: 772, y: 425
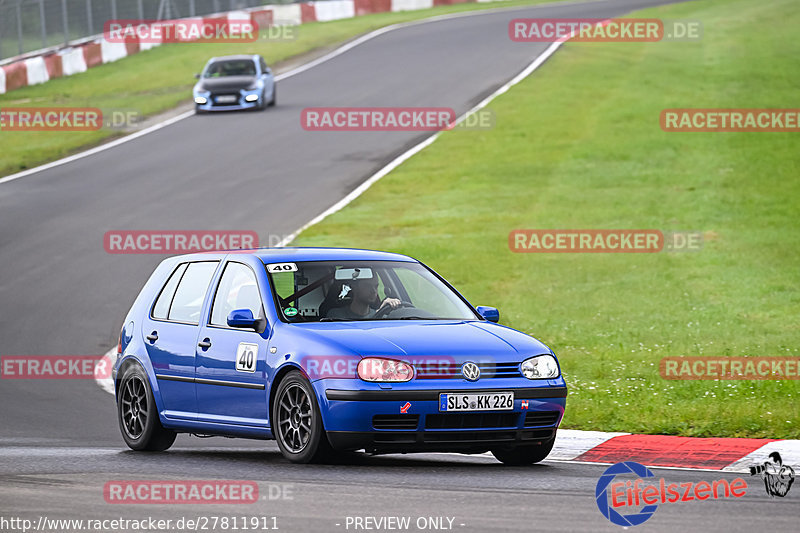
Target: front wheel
x: 297, y: 423
x: 137, y: 414
x: 523, y: 455
x: 274, y: 95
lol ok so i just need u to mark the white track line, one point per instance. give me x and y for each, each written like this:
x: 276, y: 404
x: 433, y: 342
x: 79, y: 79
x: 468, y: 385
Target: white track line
x: 540, y: 59
x: 302, y: 68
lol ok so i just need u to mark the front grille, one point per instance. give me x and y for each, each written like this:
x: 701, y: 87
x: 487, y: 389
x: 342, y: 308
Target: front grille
x: 471, y: 420
x: 395, y: 421
x: 404, y: 438
x: 445, y: 370
x: 541, y: 418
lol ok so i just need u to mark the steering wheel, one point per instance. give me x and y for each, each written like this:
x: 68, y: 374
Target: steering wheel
x: 388, y: 309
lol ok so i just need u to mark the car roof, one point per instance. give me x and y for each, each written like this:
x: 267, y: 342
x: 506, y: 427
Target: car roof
x: 292, y: 254
x: 271, y: 255
x: 251, y: 57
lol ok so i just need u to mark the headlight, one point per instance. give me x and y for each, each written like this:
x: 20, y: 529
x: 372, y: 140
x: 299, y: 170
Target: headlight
x: 383, y: 370
x: 200, y: 100
x: 251, y: 98
x: 540, y: 367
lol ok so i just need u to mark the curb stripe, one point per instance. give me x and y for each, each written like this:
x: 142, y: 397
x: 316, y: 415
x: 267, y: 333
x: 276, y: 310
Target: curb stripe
x: 663, y: 450
x: 789, y: 450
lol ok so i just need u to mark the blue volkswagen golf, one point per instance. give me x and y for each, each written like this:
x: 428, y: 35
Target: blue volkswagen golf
x: 329, y: 350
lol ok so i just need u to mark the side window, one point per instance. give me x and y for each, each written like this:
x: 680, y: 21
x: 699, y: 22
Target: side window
x: 161, y: 308
x: 188, y: 301
x: 263, y: 65
x: 237, y: 290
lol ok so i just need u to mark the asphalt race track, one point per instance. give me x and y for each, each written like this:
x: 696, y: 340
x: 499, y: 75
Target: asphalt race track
x: 61, y: 293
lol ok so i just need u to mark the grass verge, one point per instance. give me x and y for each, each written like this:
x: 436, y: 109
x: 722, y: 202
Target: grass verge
x: 161, y: 78
x: 578, y: 145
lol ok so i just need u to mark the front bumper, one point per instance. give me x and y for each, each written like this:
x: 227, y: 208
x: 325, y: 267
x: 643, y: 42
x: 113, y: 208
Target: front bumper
x: 239, y: 105
x: 408, y: 420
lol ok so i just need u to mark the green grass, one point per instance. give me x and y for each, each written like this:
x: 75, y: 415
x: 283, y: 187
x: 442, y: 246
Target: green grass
x: 578, y: 145
x: 161, y: 78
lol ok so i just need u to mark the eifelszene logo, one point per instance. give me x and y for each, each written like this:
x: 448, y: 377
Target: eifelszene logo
x: 616, y: 496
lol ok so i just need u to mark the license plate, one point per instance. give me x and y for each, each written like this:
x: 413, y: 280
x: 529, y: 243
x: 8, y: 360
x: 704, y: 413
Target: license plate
x: 227, y: 99
x: 492, y: 401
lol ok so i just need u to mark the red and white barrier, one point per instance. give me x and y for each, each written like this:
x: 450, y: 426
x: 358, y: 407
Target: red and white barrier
x: 334, y: 10
x: 411, y: 5
x: 55, y: 68
x: 110, y: 52
x: 288, y: 14
x: 72, y: 61
x: 16, y: 75
x: 36, y: 71
x: 50, y: 64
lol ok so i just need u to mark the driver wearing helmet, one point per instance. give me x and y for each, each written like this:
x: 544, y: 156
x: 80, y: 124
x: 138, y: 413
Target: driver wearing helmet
x: 364, y: 294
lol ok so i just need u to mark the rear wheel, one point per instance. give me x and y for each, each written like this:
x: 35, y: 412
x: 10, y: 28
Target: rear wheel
x: 523, y: 455
x: 297, y: 423
x: 137, y: 414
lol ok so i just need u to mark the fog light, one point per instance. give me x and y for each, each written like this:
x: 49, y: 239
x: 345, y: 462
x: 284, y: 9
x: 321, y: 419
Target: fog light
x: 540, y: 367
x: 200, y: 100
x: 251, y: 98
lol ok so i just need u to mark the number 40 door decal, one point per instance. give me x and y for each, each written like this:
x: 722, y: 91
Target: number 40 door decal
x: 246, y: 357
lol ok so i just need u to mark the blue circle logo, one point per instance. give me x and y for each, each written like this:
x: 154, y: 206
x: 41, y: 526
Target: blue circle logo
x: 601, y: 495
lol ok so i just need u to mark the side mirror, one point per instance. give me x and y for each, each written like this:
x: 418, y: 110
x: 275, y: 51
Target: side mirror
x: 489, y: 313
x: 242, y: 318
x: 197, y: 76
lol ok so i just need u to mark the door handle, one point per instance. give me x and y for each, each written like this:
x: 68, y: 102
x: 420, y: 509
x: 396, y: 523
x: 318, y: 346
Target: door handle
x: 153, y: 337
x: 206, y: 344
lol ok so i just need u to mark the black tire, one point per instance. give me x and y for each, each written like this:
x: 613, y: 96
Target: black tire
x: 274, y: 95
x: 137, y: 414
x: 198, y: 111
x: 262, y: 102
x: 297, y: 422
x: 523, y: 455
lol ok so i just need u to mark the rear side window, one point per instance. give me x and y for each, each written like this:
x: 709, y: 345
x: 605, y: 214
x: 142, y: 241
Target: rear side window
x: 161, y: 309
x: 188, y: 301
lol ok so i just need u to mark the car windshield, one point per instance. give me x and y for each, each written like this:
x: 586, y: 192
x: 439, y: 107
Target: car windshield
x: 328, y: 291
x: 231, y: 67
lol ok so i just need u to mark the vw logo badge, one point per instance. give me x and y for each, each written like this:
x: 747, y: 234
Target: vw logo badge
x: 470, y: 371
